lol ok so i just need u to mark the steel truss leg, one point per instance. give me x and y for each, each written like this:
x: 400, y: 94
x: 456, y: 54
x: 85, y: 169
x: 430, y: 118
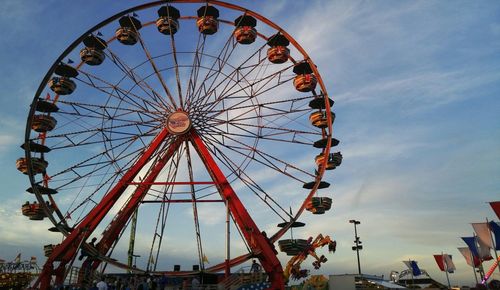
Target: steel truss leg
x: 116, y: 226
x: 65, y: 251
x: 256, y: 240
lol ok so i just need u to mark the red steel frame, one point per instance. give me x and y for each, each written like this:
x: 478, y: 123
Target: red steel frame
x: 67, y: 250
x: 254, y: 237
x: 260, y: 246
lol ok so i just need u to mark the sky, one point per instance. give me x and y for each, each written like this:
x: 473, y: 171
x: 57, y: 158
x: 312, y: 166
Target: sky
x: 416, y: 91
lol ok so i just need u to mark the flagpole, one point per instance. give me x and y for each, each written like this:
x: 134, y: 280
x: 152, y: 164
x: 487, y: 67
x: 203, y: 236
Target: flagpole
x: 473, y: 265
x: 493, y: 243
x: 446, y: 270
x: 481, y: 270
x: 411, y: 271
x: 227, y: 268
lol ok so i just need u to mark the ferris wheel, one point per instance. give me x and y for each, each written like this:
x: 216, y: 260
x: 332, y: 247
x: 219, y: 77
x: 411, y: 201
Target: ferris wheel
x: 199, y: 127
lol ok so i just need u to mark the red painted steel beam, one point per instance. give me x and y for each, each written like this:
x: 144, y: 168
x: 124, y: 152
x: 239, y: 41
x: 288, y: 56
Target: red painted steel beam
x: 69, y: 246
x: 255, y: 239
x: 113, y: 230
x: 173, y: 183
x: 182, y: 201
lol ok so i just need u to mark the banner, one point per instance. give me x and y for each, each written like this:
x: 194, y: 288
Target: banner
x: 445, y: 263
x: 465, y: 251
x: 449, y: 263
x: 471, y: 243
x: 495, y: 205
x: 495, y: 229
x: 17, y: 260
x: 440, y: 261
x: 412, y: 265
x: 483, y: 233
x: 484, y: 251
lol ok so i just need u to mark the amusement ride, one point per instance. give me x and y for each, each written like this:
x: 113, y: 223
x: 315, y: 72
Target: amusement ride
x: 184, y: 122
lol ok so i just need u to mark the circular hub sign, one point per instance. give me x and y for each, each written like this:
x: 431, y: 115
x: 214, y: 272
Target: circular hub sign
x: 178, y: 123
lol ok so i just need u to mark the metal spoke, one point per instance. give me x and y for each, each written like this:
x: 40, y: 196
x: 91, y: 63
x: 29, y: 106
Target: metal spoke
x: 246, y: 179
x: 195, y: 69
x: 173, y: 106
x: 266, y: 158
x: 195, y: 207
x: 176, y: 64
x: 140, y: 82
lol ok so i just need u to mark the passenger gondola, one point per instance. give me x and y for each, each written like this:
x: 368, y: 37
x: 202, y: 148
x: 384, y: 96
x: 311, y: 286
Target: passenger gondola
x: 93, y: 52
x: 305, y: 80
x: 245, y: 32
x: 168, y: 20
x: 128, y: 32
x: 207, y: 21
x: 278, y: 51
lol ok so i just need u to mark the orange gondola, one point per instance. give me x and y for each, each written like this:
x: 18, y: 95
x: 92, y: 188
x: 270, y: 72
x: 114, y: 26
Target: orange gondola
x: 245, y: 32
x: 319, y: 205
x: 38, y: 165
x: 278, y: 52
x: 334, y: 160
x: 167, y: 22
x: 43, y: 123
x: 319, y: 119
x: 207, y: 21
x: 305, y: 80
x: 128, y: 32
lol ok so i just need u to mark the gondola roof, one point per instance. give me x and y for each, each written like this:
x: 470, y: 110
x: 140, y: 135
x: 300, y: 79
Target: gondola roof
x: 208, y: 11
x: 130, y: 21
x: 278, y: 40
x: 65, y: 70
x: 169, y: 11
x: 245, y: 20
x: 95, y: 42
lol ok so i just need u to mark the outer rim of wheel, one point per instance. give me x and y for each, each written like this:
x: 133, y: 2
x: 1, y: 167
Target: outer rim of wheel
x: 79, y: 40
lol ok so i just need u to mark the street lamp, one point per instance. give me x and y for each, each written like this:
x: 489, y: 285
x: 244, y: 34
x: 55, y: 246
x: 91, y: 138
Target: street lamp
x: 357, y: 243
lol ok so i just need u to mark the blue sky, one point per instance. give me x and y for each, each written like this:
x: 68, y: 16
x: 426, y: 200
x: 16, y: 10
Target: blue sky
x: 416, y: 90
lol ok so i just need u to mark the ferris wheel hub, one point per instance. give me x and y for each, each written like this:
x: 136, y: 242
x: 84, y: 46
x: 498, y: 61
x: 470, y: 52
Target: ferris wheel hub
x: 178, y: 123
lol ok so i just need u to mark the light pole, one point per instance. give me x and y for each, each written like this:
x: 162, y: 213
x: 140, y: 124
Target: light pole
x: 357, y: 243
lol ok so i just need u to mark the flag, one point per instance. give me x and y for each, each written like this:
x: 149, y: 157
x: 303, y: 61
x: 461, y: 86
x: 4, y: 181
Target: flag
x: 445, y: 263
x: 412, y: 265
x: 205, y: 259
x: 495, y: 229
x: 484, y: 251
x: 465, y: 251
x: 440, y: 261
x: 449, y: 266
x: 483, y: 233
x: 495, y: 205
x: 151, y: 260
x: 471, y: 243
x: 17, y: 260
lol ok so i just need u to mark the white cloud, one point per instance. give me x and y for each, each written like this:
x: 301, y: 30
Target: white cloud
x: 18, y: 230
